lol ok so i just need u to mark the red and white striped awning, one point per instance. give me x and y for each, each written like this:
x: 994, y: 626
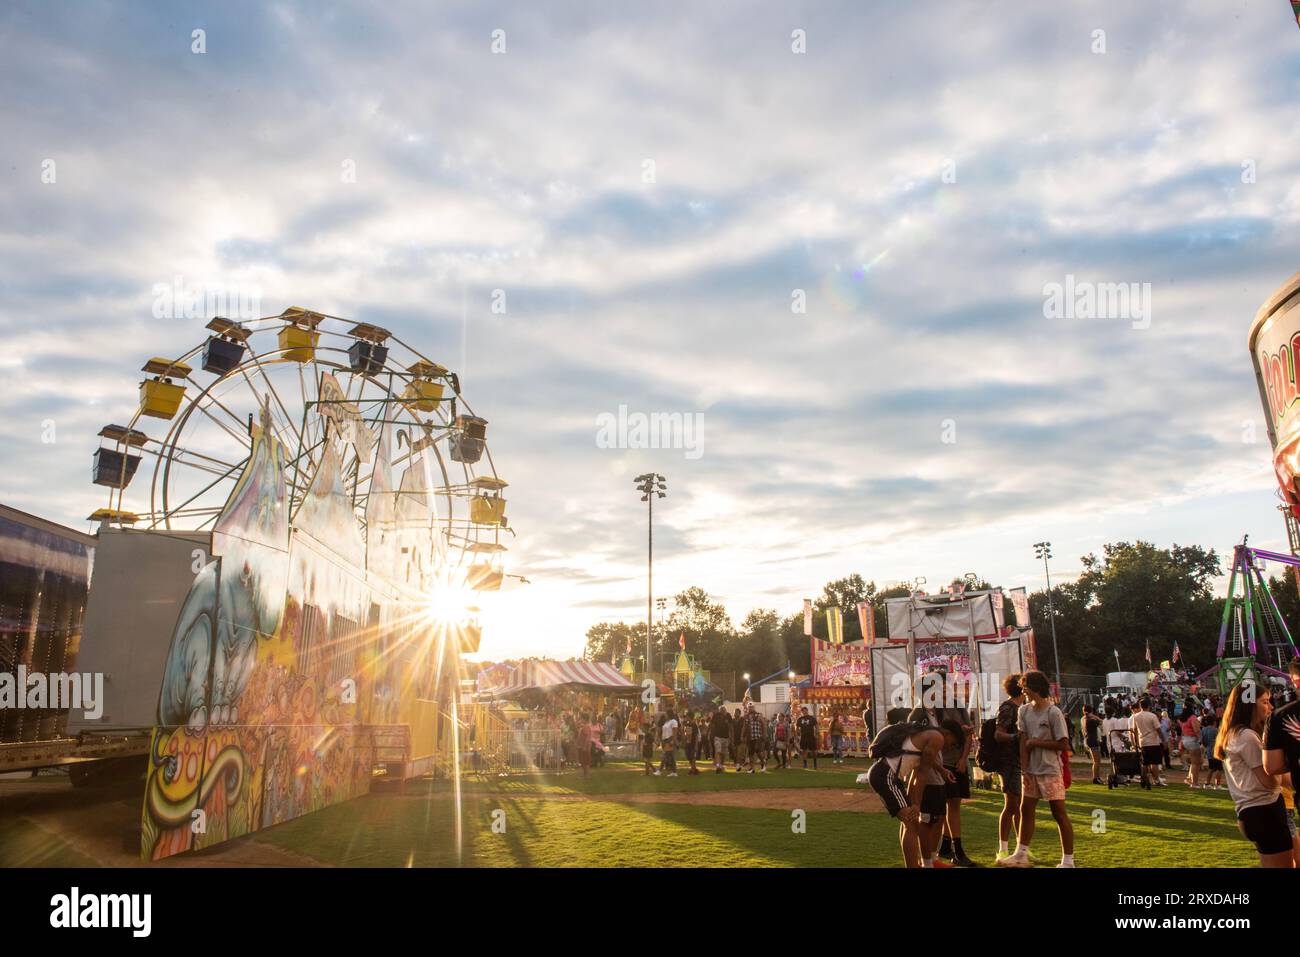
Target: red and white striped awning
x: 544, y: 675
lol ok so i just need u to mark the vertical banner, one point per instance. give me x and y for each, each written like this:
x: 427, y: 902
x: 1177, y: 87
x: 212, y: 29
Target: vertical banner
x: 999, y: 613
x: 891, y: 683
x: 835, y: 625
x: 807, y: 617
x: 996, y: 660
x: 1020, y: 605
x: 867, y: 622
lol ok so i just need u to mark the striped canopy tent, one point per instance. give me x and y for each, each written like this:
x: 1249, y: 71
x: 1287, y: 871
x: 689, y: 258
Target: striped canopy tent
x: 544, y: 675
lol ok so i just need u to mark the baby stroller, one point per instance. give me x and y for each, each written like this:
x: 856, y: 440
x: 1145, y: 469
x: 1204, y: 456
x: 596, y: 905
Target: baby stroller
x: 1125, y: 767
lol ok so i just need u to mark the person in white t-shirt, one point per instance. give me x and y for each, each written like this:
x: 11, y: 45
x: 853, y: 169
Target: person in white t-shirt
x: 1117, y: 730
x: 1146, y: 727
x: 1256, y: 794
x: 668, y: 739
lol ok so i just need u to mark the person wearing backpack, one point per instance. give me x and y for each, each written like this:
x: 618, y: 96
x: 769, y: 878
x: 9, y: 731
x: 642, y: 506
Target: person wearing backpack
x: 956, y: 761
x: 908, y: 760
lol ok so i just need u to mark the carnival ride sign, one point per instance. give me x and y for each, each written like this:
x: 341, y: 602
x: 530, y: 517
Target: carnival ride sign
x: 836, y: 664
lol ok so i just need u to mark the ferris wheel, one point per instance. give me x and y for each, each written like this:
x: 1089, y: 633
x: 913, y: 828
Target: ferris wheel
x: 317, y: 383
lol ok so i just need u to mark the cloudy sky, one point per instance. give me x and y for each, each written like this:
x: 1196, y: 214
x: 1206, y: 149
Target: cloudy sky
x: 657, y: 189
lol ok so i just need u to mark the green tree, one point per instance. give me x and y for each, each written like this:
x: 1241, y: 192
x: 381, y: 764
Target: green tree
x: 608, y: 639
x: 1133, y: 593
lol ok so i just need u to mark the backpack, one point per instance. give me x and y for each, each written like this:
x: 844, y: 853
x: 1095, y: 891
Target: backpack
x: 889, y: 742
x: 989, y: 758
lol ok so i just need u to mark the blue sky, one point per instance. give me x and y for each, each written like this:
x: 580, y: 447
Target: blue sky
x: 823, y: 431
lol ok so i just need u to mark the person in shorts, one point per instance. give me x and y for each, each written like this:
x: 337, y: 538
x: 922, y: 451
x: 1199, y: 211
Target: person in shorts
x: 720, y: 731
x: 909, y: 784
x: 1092, y: 740
x: 1189, y: 731
x: 1256, y: 794
x: 956, y: 761
x: 805, y: 727
x: 1282, y: 736
x: 1150, y: 739
x: 1213, y: 765
x: 1044, y: 736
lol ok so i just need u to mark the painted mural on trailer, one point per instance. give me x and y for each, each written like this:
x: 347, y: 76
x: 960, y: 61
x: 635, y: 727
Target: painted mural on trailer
x: 281, y: 650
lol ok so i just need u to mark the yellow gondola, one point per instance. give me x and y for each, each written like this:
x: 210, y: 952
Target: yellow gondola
x: 299, y: 337
x: 159, y: 396
x: 423, y: 393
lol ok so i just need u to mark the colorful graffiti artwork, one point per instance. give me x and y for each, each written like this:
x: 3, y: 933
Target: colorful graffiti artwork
x: 282, y: 648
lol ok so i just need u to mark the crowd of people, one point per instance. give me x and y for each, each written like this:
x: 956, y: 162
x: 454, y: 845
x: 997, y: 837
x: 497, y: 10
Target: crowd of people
x: 1248, y: 745
x: 746, y: 739
x: 922, y: 773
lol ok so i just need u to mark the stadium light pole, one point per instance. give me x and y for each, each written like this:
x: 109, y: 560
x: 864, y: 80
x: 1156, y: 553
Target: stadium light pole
x: 1043, y: 550
x: 650, y: 485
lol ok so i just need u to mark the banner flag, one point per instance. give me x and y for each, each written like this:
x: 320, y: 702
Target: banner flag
x: 681, y: 640
x: 1020, y: 605
x: 867, y: 621
x: 835, y: 625
x: 807, y: 617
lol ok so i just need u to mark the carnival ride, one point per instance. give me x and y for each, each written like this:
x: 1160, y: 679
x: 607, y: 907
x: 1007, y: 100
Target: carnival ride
x: 343, y: 513
x: 1254, y: 640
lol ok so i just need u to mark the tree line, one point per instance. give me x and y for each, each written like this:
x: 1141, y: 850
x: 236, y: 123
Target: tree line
x: 1131, y: 594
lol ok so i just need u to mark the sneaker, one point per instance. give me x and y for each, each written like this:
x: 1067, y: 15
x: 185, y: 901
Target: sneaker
x: 962, y: 861
x: 1012, y: 860
x: 1161, y: 781
x: 1096, y: 780
x: 940, y: 863
x: 1063, y: 864
x: 658, y: 773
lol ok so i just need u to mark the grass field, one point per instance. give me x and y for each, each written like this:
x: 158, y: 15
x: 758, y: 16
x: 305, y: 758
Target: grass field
x: 563, y: 821
x: 618, y: 817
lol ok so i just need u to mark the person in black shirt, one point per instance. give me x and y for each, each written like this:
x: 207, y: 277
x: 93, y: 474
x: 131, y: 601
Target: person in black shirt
x: 720, y: 732
x: 649, y: 742
x: 1007, y: 734
x: 1282, y: 737
x: 805, y: 727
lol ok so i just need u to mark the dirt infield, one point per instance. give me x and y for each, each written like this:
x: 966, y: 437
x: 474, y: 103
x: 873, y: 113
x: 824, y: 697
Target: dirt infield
x: 775, y: 799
